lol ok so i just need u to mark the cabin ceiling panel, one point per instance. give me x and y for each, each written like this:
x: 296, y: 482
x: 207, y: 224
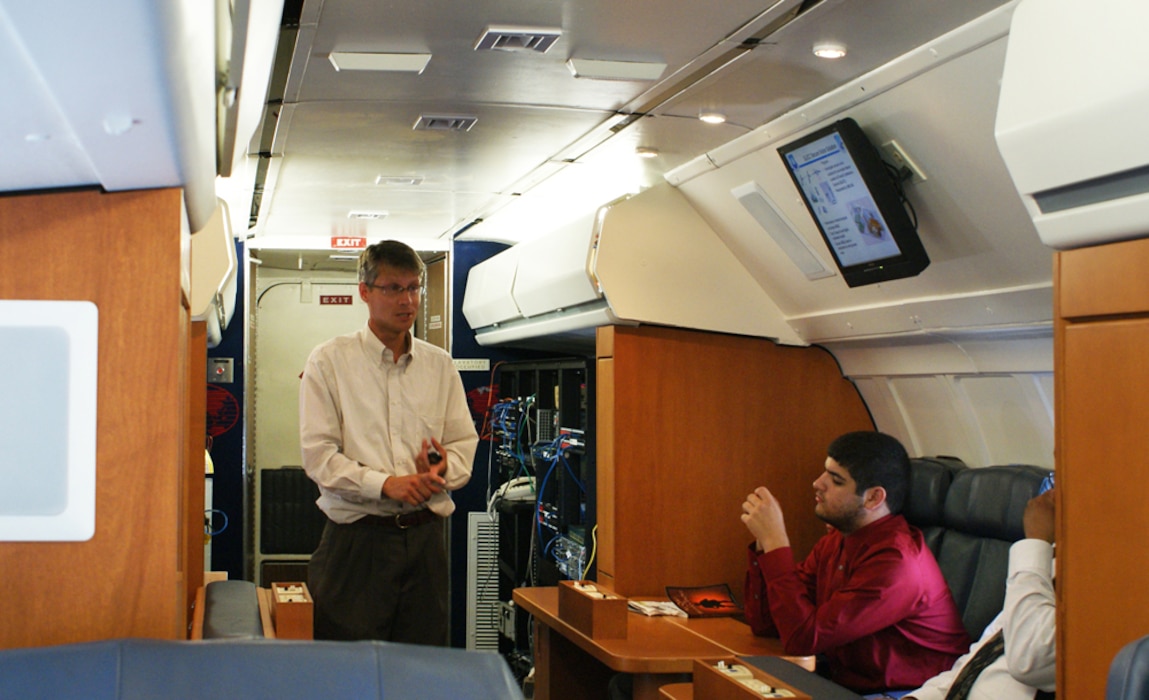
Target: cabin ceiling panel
x: 532, y: 113
x: 781, y: 73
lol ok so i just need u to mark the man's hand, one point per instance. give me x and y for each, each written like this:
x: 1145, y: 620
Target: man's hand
x: 415, y: 489
x: 763, y: 517
x: 1038, y: 517
x: 423, y: 463
x: 428, y: 480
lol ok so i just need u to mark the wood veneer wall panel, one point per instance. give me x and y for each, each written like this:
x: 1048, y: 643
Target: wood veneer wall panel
x: 604, y: 468
x: 1102, y: 410
x: 699, y: 420
x: 193, y: 488
x: 122, y: 252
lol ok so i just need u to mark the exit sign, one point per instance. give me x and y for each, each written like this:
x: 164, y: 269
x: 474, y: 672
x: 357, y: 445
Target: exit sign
x: 348, y: 242
x: 336, y: 299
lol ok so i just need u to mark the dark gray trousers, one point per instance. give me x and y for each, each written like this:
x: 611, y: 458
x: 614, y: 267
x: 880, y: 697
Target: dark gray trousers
x: 372, y: 581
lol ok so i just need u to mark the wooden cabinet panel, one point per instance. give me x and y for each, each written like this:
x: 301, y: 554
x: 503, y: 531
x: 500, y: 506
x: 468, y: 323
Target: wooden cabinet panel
x: 693, y: 422
x: 122, y: 252
x: 1103, y: 423
x: 1104, y: 280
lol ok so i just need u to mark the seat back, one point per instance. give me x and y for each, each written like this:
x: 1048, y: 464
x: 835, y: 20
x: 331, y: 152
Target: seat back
x: 1129, y: 672
x: 980, y: 516
x: 140, y: 669
x: 925, y: 507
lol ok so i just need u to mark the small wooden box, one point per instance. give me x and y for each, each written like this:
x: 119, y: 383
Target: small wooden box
x: 291, y: 610
x: 597, y: 618
x: 714, y: 684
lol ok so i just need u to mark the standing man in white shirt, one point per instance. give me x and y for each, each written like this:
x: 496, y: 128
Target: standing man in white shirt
x: 386, y: 434
x: 1024, y: 665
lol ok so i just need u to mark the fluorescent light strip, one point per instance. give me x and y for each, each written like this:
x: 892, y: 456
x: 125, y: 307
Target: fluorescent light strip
x: 394, y: 62
x: 614, y: 70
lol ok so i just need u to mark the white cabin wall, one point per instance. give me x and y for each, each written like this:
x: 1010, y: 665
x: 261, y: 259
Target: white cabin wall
x: 985, y: 397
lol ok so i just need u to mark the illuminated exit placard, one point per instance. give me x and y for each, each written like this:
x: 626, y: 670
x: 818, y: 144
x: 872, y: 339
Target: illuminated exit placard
x: 348, y: 242
x: 335, y: 299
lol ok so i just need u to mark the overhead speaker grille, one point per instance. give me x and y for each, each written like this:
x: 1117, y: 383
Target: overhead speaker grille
x: 775, y: 223
x: 444, y: 122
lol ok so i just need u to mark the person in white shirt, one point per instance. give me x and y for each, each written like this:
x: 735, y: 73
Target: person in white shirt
x: 386, y: 434
x: 1026, y: 667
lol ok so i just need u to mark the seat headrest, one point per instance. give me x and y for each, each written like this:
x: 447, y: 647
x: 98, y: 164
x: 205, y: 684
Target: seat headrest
x: 1129, y: 672
x: 930, y: 479
x: 990, y: 501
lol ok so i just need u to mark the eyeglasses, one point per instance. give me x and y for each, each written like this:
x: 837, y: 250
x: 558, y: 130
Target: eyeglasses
x: 394, y: 290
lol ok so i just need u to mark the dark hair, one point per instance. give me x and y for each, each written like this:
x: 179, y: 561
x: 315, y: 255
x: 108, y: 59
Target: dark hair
x: 393, y: 254
x: 874, y: 459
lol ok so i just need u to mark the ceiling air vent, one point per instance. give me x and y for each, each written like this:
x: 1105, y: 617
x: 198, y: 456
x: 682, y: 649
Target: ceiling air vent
x: 399, y: 180
x: 442, y: 122
x: 518, y: 39
x: 366, y: 215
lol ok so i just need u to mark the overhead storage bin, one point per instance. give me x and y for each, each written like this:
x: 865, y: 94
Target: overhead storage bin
x: 1071, y: 119
x: 650, y: 258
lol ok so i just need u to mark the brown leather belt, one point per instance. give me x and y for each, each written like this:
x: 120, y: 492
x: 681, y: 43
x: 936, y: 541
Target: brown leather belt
x: 402, y: 521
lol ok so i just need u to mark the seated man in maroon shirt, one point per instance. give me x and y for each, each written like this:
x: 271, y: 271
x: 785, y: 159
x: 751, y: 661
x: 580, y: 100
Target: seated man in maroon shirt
x: 869, y: 599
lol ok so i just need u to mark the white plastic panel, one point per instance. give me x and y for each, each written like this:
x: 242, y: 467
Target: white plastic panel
x: 1006, y: 350
x: 552, y: 270
x: 124, y: 91
x: 48, y: 420
x: 986, y: 397
x: 1014, y: 424
x: 937, y: 424
x: 660, y: 262
x: 982, y: 419
x: 213, y: 271
x: 488, y: 297
x: 1074, y: 93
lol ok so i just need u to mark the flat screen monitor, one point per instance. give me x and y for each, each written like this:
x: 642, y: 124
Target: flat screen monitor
x: 857, y: 203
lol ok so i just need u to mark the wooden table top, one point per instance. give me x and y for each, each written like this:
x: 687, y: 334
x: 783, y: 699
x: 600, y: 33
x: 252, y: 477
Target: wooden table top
x: 652, y: 644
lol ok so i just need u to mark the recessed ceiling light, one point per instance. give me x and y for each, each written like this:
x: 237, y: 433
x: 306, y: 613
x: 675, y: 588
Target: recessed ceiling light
x: 366, y: 215
x: 829, y: 49
x: 614, y: 70
x: 712, y: 117
x: 646, y: 152
x: 401, y: 62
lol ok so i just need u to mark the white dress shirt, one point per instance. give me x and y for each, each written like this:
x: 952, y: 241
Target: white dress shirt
x: 1028, y: 618
x: 363, y: 417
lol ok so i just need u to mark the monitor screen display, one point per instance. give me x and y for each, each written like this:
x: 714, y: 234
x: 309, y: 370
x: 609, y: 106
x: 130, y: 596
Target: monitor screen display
x: 856, y: 203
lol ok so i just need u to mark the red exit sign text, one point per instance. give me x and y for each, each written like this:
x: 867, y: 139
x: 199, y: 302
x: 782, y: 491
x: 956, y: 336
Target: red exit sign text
x: 348, y: 242
x: 337, y: 299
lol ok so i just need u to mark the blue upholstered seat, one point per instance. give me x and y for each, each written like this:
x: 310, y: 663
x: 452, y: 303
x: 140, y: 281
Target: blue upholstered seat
x: 144, y: 669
